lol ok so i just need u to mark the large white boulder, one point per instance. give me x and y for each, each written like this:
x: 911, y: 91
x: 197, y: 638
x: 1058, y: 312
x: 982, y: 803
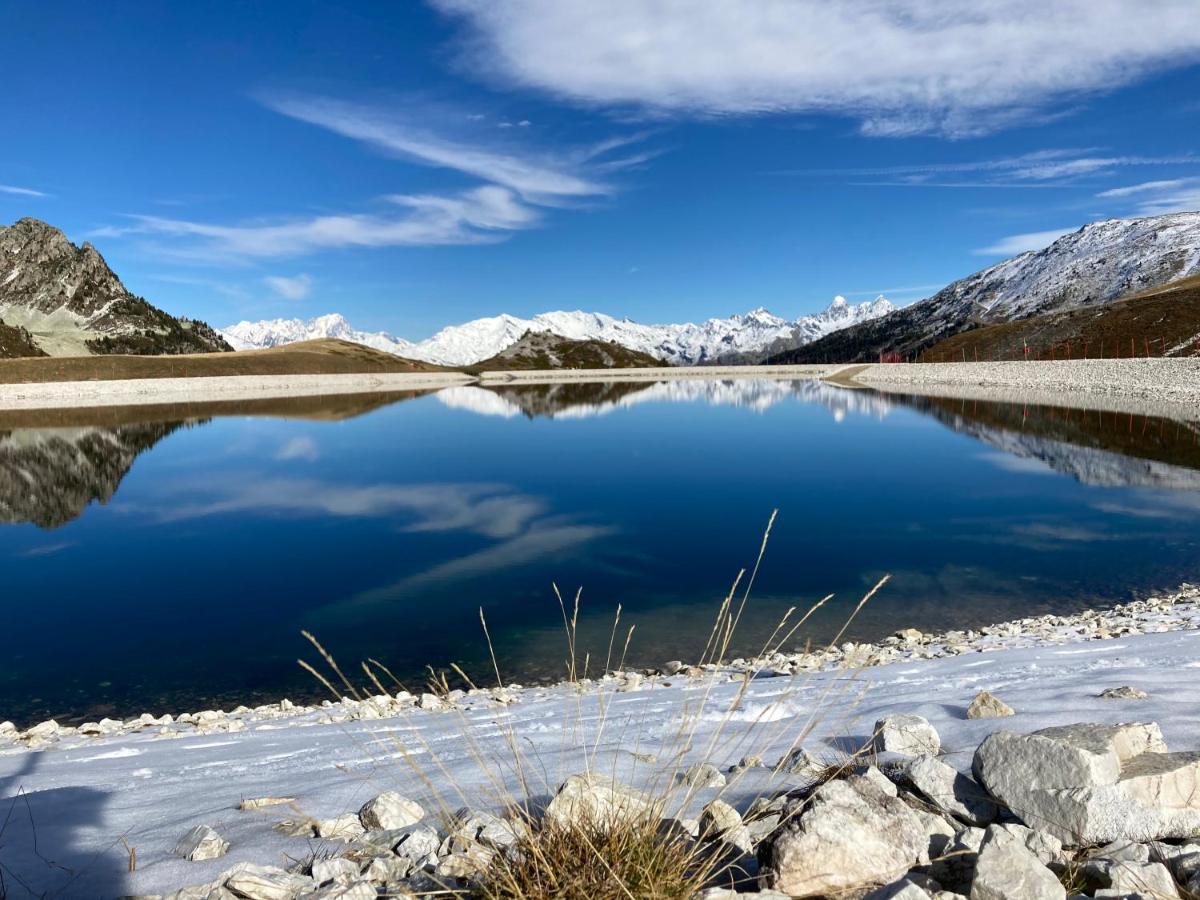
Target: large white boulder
x: 201, y: 843
x: 1092, y: 784
x: 853, y: 835
x: 390, y: 810
x: 907, y: 734
x: 951, y: 791
x: 266, y: 882
x: 1006, y: 870
x: 596, y: 800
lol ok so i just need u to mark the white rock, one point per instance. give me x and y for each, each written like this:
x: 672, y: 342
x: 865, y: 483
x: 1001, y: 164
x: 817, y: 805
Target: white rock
x: 390, y: 810
x: 201, y: 843
x: 358, y: 890
x: 336, y: 868
x: 1148, y: 879
x: 266, y: 882
x: 345, y: 827
x: 1045, y: 847
x: 1091, y: 784
x: 702, y: 775
x: 386, y: 869
x: 255, y: 803
x: 420, y: 846
x: 881, y: 781
x: 1006, y: 870
x: 852, y: 835
x: 1124, y: 693
x: 904, y: 889
x: 597, y: 800
x: 951, y: 791
x: 801, y: 763
x: 988, y: 706
x: 721, y: 821
x: 44, y: 730
x: 907, y: 734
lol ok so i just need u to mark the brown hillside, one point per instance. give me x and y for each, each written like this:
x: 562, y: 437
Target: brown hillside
x: 320, y: 357
x: 543, y: 350
x: 1164, y: 321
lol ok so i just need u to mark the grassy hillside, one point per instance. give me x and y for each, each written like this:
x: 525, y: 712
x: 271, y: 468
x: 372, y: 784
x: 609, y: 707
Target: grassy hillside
x: 542, y: 350
x: 320, y: 357
x: 1164, y: 321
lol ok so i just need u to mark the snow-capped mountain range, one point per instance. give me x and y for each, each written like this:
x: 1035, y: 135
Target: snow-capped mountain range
x: 274, y: 332
x: 1097, y: 264
x: 736, y: 337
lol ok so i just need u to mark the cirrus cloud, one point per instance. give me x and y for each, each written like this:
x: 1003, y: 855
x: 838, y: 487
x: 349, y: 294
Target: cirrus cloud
x: 295, y: 287
x: 1021, y: 243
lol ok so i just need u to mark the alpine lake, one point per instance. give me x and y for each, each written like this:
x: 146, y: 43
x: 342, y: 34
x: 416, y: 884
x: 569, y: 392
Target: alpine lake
x: 163, y: 559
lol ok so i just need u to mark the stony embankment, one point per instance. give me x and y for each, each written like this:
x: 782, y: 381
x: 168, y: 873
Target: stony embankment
x: 1159, y: 386
x: 1168, y: 612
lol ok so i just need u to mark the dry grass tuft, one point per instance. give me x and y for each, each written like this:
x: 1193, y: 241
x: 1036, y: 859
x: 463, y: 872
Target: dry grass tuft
x: 643, y: 857
x: 621, y: 861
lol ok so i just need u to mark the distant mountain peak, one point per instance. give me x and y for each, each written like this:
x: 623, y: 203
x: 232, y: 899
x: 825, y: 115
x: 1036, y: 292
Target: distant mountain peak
x: 737, y: 338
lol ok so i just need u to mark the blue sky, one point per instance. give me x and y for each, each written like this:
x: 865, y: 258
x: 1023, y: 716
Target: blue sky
x: 416, y: 164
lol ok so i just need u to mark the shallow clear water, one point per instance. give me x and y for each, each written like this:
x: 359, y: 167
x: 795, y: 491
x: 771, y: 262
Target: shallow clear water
x: 166, y: 559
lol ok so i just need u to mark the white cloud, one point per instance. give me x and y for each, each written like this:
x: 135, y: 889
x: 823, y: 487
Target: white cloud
x: 518, y: 184
x: 295, y: 287
x: 1036, y: 169
x: 491, y: 510
x: 1156, y: 198
x: 20, y: 191
x: 480, y: 215
x: 955, y: 67
x: 304, y: 448
x: 1020, y: 243
x: 537, y: 176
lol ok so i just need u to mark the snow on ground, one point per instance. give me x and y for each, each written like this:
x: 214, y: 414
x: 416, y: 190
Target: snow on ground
x: 67, y: 813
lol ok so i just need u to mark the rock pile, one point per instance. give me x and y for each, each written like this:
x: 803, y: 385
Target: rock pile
x: 1100, y: 811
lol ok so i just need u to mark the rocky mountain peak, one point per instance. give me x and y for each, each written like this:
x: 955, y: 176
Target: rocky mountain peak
x: 72, y: 303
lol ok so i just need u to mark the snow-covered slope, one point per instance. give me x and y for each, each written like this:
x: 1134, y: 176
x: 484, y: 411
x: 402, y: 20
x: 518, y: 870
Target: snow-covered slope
x: 1096, y: 264
x: 273, y: 332
x: 738, y: 337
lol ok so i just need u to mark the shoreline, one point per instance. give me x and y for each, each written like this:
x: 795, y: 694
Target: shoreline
x: 1177, y: 610
x: 281, y: 787
x: 1169, y: 386
x: 144, y: 391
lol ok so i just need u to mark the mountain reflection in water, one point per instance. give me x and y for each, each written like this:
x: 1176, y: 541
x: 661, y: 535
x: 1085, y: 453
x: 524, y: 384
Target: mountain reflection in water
x: 172, y: 554
x: 50, y: 474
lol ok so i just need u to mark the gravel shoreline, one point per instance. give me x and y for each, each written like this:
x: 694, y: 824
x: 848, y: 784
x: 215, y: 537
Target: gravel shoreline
x: 1175, y: 611
x: 1167, y: 384
x: 135, y: 392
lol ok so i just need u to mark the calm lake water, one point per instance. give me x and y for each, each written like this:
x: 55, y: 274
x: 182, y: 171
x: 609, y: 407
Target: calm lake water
x: 162, y: 559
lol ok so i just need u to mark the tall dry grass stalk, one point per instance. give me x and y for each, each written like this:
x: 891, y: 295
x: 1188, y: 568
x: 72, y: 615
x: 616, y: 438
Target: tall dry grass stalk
x: 632, y: 858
